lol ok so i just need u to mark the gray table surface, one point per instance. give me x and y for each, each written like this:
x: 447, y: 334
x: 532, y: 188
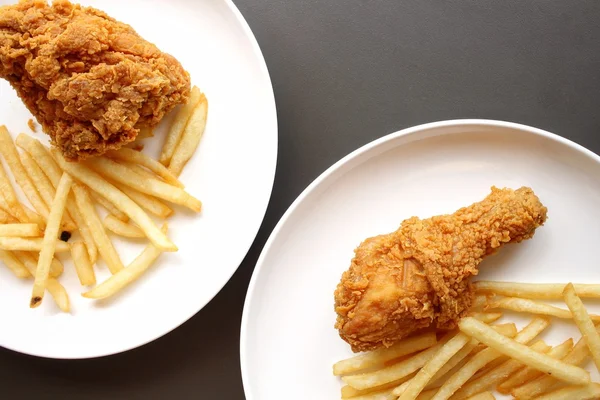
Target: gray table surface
x: 346, y: 72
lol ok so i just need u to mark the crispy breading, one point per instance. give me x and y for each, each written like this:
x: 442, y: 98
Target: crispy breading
x: 419, y: 275
x: 92, y: 82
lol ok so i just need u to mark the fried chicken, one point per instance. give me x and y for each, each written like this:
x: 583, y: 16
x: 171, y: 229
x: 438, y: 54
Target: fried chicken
x: 419, y: 275
x: 92, y: 82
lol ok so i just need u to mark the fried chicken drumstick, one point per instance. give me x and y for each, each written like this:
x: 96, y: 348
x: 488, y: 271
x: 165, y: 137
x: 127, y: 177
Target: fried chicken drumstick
x: 92, y: 82
x: 419, y: 275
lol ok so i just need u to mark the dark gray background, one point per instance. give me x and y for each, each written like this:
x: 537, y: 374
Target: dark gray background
x: 344, y: 73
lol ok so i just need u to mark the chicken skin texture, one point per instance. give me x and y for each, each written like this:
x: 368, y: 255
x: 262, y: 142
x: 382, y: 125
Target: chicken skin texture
x: 419, y: 276
x: 92, y: 82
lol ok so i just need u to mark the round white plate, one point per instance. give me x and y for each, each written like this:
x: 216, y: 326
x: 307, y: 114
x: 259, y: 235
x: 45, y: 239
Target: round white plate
x: 288, y: 342
x: 232, y: 173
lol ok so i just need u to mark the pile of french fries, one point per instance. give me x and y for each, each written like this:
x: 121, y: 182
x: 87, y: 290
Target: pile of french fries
x: 63, y: 216
x: 482, y: 356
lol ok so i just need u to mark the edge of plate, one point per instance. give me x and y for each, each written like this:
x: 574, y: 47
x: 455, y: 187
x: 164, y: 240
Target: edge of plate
x: 332, y: 169
x: 263, y: 66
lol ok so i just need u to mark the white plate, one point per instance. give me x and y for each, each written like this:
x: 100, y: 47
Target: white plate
x: 288, y: 342
x: 232, y: 174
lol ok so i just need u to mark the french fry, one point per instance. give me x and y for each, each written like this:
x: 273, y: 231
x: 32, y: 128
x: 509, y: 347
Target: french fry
x: 542, y: 291
x: 6, y: 218
x: 349, y: 392
x: 509, y: 330
x: 142, y: 171
x: 8, y: 193
x: 103, y: 243
x: 518, y: 351
x: 14, y: 264
x: 52, y: 175
x: 528, y: 374
x: 138, y: 158
x: 583, y: 322
x: 148, y: 203
x: 191, y: 137
x: 83, y: 227
x: 482, y: 396
x: 487, y: 317
x: 108, y: 206
x: 84, y: 269
x: 426, y: 395
x: 178, y: 126
x: 44, y: 186
x: 29, y: 244
x: 56, y: 267
x: 379, y: 357
x: 588, y: 392
x: 381, y: 395
x: 479, y: 302
x: 579, y: 355
x: 486, y: 356
x: 498, y: 374
x: 20, y: 230
x: 127, y: 275
x: 124, y: 203
x: 148, y: 174
x: 40, y: 180
x: 41, y: 156
x: 15, y: 261
x: 395, y: 371
x: 457, y: 359
x: 56, y: 290
x: 439, y: 359
x: 489, y: 367
x: 10, y: 154
x: 532, y: 307
x: 120, y: 173
x: 121, y: 228
x: 49, y: 241
x: 32, y: 216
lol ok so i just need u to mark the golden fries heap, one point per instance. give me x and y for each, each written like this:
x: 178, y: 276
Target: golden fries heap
x: 64, y: 196
x: 480, y: 357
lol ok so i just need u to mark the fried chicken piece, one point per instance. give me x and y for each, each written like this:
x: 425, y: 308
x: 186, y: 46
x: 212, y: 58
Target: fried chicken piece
x: 92, y: 82
x: 418, y: 276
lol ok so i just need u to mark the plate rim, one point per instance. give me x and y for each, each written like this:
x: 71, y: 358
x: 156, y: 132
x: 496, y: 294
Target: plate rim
x: 413, y: 130
x: 273, y: 120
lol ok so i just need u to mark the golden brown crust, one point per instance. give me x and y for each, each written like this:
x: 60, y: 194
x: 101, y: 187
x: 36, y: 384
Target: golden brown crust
x: 419, y: 275
x: 90, y: 80
x: 31, y: 125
